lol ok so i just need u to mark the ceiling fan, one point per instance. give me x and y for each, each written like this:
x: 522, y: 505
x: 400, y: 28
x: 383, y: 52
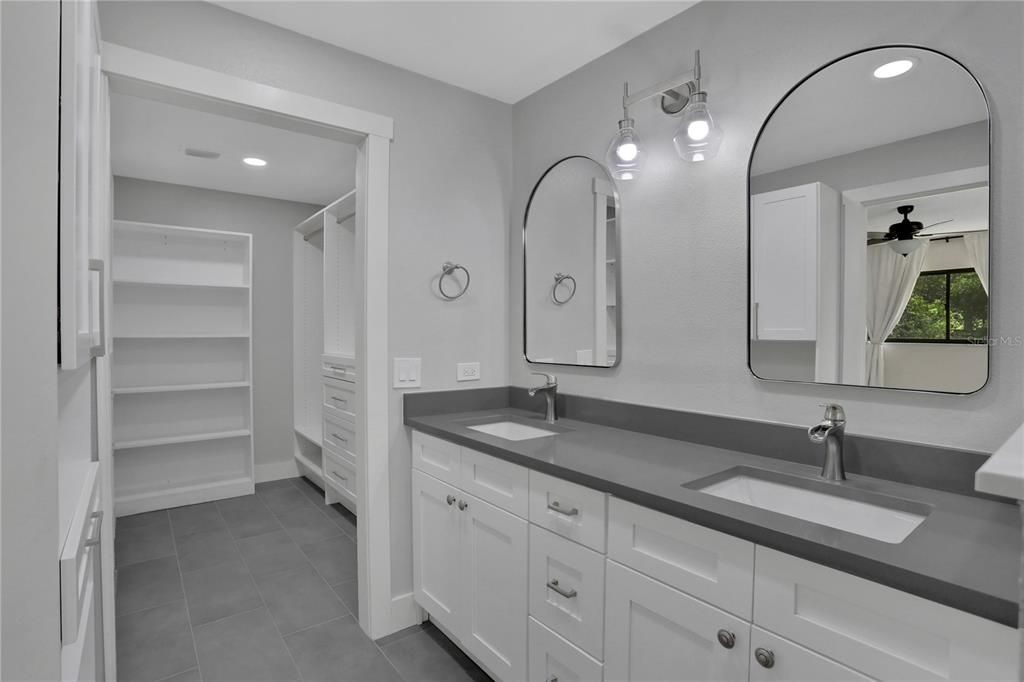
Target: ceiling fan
x: 901, y: 235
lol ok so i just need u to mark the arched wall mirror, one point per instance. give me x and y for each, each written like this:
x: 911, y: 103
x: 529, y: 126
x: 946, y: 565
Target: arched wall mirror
x: 571, y: 280
x: 869, y: 227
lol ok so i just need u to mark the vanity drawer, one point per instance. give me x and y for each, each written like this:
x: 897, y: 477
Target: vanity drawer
x: 339, y: 399
x: 437, y: 457
x: 340, y: 436
x: 793, y: 663
x: 567, y: 589
x: 501, y: 483
x: 340, y: 474
x: 568, y: 509
x: 553, y: 658
x: 338, y: 368
x: 881, y: 631
x: 712, y: 566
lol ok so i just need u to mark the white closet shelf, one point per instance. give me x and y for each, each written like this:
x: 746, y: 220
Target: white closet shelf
x: 308, y: 435
x: 180, y: 285
x: 163, y: 337
x: 307, y: 462
x: 186, y: 438
x: 171, y: 388
x: 138, y: 500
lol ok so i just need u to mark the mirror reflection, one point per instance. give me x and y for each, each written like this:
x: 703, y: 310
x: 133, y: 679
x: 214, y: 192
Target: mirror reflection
x: 869, y: 224
x: 571, y: 267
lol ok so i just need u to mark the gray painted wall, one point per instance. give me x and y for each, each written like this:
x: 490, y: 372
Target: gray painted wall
x: 451, y: 181
x: 270, y: 222
x: 684, y: 234
x: 941, y: 152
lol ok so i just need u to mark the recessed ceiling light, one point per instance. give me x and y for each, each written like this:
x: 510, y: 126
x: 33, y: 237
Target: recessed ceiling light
x: 893, y: 69
x: 254, y: 161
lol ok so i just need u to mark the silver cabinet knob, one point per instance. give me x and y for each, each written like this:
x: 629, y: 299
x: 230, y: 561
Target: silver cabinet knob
x: 765, y: 657
x: 462, y: 505
x: 450, y: 500
x: 726, y: 638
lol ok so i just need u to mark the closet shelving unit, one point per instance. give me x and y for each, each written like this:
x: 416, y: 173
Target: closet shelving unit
x: 182, y: 365
x: 325, y: 364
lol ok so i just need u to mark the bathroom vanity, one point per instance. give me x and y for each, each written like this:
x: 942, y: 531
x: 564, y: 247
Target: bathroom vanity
x: 591, y: 553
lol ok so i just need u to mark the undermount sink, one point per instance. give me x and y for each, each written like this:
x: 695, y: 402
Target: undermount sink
x: 512, y: 430
x: 881, y: 517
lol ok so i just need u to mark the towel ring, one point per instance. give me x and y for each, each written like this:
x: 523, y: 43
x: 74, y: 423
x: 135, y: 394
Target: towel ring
x: 448, y: 269
x: 559, y: 280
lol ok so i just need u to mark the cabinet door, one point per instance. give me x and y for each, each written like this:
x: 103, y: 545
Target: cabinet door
x: 656, y: 633
x: 494, y: 571
x: 774, y: 659
x: 784, y: 244
x: 436, y: 539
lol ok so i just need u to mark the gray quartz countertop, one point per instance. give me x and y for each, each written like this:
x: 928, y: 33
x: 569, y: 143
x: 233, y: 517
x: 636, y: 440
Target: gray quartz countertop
x: 966, y: 554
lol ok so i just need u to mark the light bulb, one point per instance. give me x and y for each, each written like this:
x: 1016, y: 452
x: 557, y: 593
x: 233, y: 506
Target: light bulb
x: 697, y: 138
x: 893, y: 69
x: 625, y: 155
x: 698, y: 130
x: 627, y: 151
x: 254, y: 161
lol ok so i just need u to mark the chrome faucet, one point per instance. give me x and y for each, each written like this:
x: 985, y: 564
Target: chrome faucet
x: 831, y: 431
x: 550, y: 391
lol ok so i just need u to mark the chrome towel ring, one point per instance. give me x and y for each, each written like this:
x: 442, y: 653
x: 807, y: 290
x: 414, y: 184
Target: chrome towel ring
x: 561, y: 279
x: 448, y: 269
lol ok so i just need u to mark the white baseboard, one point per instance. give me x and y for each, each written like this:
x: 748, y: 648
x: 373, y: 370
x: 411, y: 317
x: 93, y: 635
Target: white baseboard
x: 274, y: 471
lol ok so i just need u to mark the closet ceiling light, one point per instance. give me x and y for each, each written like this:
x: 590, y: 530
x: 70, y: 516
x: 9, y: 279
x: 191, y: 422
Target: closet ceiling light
x: 254, y: 161
x: 893, y: 69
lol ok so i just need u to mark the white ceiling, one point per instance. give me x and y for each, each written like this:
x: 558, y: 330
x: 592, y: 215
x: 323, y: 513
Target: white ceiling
x: 505, y: 50
x: 968, y: 209
x: 844, y: 108
x: 149, y: 140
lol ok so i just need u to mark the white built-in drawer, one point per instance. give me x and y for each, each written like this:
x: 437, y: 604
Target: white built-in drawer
x: 340, y: 474
x: 437, y: 457
x: 568, y: 509
x: 712, y: 566
x: 785, y: 661
x: 880, y: 631
x: 340, y: 435
x: 553, y: 658
x: 501, y: 483
x: 338, y: 368
x: 339, y: 399
x: 567, y: 589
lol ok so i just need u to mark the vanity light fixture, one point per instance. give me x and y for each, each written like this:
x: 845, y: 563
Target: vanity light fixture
x: 697, y: 137
x: 254, y: 161
x: 894, y: 68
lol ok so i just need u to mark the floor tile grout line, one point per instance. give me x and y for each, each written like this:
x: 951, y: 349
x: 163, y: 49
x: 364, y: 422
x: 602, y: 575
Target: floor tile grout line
x: 184, y: 594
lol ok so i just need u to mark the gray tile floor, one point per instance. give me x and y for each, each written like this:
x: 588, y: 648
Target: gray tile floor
x: 261, y: 587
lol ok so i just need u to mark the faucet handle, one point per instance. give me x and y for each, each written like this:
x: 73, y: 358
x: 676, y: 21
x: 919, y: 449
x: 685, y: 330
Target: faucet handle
x: 549, y: 378
x: 833, y: 412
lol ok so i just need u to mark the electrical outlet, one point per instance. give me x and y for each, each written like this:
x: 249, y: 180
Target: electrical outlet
x: 407, y: 373
x: 467, y: 371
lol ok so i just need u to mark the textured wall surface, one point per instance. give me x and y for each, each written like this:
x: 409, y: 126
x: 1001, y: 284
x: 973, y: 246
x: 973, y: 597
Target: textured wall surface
x: 684, y: 233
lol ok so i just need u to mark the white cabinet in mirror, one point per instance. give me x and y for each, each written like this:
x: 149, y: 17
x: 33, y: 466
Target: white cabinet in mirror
x: 571, y: 280
x: 869, y: 224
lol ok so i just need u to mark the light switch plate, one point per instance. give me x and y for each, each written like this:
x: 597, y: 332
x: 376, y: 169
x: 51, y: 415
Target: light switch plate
x: 467, y: 371
x: 407, y: 373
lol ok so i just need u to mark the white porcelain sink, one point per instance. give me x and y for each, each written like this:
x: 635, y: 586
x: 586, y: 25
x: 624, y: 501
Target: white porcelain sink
x: 875, y: 516
x: 512, y: 430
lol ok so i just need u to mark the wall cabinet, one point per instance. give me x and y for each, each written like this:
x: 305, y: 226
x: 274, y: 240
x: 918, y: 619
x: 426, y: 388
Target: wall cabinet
x: 671, y: 600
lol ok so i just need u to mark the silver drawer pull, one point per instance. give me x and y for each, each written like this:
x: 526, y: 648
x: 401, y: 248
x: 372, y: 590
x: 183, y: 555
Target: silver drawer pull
x: 553, y: 678
x: 339, y: 400
x: 765, y: 657
x: 557, y: 507
x: 450, y: 500
x: 339, y: 476
x: 568, y: 594
x: 337, y: 437
x: 462, y: 505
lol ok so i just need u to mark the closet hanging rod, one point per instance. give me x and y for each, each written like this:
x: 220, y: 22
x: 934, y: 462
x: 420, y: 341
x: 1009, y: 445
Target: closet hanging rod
x: 306, y: 237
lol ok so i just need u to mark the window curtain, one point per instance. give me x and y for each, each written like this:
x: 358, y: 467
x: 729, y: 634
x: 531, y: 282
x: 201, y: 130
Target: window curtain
x: 891, y: 279
x: 977, y: 253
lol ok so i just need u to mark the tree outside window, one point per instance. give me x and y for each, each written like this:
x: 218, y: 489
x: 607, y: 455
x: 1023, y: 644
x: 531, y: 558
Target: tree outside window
x: 947, y: 306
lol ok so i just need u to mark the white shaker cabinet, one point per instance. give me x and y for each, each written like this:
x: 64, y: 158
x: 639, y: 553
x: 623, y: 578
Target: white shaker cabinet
x: 654, y: 633
x: 469, y: 573
x: 788, y: 229
x: 774, y: 659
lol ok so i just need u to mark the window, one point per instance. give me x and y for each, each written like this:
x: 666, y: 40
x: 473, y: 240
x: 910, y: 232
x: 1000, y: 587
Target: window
x: 947, y: 306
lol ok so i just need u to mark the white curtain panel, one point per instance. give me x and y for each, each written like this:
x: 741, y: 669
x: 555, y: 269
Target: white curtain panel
x: 891, y: 279
x: 977, y: 252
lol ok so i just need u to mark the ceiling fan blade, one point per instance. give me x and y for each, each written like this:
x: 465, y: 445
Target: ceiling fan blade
x: 872, y: 242
x: 941, y: 222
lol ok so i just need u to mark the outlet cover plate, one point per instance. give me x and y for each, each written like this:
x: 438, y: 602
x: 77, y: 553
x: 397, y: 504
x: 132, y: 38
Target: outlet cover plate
x: 467, y: 371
